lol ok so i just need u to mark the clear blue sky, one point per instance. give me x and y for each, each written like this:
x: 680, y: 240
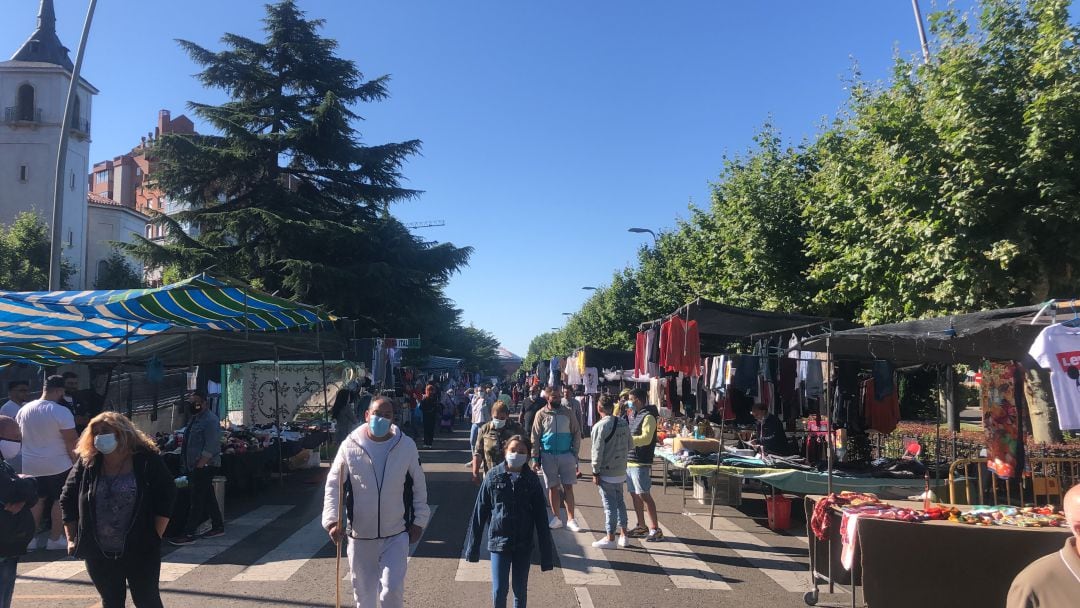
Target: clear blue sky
x: 549, y: 128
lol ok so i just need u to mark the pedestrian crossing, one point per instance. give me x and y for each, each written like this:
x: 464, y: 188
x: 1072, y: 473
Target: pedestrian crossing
x: 581, y: 565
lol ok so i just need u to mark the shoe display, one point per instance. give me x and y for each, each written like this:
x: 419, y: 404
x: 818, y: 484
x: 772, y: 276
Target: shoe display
x: 59, y: 544
x: 623, y: 541
x: 604, y: 543
x: 555, y: 523
x: 572, y: 525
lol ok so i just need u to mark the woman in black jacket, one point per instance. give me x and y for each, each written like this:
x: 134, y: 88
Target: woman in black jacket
x: 513, y: 499
x: 116, y: 505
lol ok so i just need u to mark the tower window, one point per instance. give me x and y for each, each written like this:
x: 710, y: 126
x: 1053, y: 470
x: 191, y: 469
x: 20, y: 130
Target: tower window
x: 72, y: 180
x: 22, y: 173
x: 24, y: 109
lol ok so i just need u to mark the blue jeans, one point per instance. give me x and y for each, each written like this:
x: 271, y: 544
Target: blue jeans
x: 501, y: 564
x: 8, y: 565
x: 473, y: 432
x: 611, y: 495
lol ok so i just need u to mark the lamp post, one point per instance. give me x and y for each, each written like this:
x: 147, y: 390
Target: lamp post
x: 55, y: 251
x: 587, y: 288
x: 644, y: 231
x: 568, y: 314
x: 922, y: 31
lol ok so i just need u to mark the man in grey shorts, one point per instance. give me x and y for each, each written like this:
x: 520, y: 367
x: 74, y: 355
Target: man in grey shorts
x: 556, y: 437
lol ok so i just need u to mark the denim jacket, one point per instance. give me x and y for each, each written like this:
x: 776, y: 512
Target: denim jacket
x: 202, y: 438
x: 515, y: 511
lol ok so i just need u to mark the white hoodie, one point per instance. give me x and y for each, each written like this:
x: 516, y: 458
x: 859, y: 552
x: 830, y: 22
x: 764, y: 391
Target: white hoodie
x: 378, y: 504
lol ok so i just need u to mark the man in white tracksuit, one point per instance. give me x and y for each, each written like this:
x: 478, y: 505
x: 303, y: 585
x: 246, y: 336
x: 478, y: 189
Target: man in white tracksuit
x: 376, y: 460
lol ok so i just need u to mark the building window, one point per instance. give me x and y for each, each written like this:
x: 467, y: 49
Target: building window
x: 72, y: 180
x: 101, y: 177
x: 78, y: 112
x: 149, y: 231
x: 23, y: 175
x: 24, y: 108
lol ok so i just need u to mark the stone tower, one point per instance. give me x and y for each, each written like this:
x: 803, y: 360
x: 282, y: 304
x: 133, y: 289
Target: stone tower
x: 33, y: 89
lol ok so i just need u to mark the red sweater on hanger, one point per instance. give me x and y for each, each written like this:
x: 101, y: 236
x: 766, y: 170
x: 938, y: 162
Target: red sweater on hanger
x: 641, y: 355
x: 690, y: 361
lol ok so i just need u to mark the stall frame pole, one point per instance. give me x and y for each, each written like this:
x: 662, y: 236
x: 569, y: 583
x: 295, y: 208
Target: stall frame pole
x: 277, y: 413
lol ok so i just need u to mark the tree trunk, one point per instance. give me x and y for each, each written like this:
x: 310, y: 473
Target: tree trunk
x: 1040, y: 401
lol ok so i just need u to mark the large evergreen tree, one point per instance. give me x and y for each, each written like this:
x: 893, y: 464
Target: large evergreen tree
x: 284, y: 195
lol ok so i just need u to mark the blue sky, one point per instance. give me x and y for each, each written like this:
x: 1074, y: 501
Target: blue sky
x: 549, y: 128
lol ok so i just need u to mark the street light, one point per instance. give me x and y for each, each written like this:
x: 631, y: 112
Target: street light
x: 587, y: 288
x: 56, y: 246
x: 643, y: 231
x: 567, y: 314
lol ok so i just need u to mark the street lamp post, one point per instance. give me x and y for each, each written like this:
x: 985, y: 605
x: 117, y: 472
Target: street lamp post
x: 644, y: 231
x: 55, y: 251
x: 587, y: 288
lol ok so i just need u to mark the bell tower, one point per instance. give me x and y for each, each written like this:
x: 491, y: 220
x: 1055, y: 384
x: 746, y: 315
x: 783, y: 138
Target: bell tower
x: 33, y: 90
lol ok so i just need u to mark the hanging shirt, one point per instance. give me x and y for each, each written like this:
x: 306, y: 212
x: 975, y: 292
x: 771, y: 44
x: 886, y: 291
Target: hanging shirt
x: 1058, y: 349
x: 591, y: 381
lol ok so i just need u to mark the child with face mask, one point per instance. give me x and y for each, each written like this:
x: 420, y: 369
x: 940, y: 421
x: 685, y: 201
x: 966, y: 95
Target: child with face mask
x: 511, y: 501
x: 491, y: 440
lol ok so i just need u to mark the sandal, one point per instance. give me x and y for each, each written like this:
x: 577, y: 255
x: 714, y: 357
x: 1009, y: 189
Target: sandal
x: 638, y: 532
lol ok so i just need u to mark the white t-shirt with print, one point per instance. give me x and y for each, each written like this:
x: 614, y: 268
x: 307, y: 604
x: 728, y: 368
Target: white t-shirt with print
x: 1058, y: 349
x: 43, y: 449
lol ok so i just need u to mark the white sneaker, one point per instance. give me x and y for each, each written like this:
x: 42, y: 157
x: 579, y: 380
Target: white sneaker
x: 604, y: 543
x: 555, y: 523
x: 59, y: 544
x: 622, y: 541
x: 572, y: 525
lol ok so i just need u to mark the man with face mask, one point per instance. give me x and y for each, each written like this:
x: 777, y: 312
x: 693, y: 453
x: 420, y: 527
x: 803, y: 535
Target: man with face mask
x: 48, y: 451
x: 199, y: 458
x: 385, y: 497
x: 489, y: 448
x: 17, y: 494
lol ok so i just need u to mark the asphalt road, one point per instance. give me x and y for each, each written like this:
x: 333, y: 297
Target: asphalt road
x: 274, y: 554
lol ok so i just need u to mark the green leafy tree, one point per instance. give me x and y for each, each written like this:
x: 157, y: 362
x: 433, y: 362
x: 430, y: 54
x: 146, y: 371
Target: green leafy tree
x: 118, y: 273
x: 24, y: 255
x: 284, y: 195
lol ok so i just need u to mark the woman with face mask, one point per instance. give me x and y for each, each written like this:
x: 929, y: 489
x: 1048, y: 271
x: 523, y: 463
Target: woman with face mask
x: 116, y: 505
x: 511, y: 501
x: 491, y: 440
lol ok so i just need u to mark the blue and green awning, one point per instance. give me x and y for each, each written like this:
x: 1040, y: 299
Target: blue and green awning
x: 56, y: 327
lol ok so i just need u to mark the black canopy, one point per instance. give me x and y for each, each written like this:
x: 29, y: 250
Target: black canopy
x: 719, y: 324
x: 603, y: 358
x: 1004, y: 335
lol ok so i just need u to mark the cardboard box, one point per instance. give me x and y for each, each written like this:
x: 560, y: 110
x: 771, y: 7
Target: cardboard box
x: 728, y: 489
x: 703, y: 446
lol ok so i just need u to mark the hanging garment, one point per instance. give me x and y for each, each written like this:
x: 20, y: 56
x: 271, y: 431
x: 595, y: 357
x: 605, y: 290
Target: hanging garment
x: 884, y: 384
x: 1002, y: 420
x: 672, y: 341
x: 655, y: 392
x: 652, y: 350
x: 746, y: 371
x: 591, y: 381
x: 690, y: 356
x: 1057, y: 348
x: 814, y: 382
x: 882, y: 415
x: 573, y: 377
x: 641, y: 353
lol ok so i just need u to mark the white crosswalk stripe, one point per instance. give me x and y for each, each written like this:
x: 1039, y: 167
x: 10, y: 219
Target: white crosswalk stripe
x: 582, y: 563
x: 284, y: 560
x: 684, y: 568
x: 53, y: 572
x: 187, y: 558
x: 754, y: 548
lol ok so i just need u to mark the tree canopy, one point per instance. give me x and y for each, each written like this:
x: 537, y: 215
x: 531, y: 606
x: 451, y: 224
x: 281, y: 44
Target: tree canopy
x: 952, y: 187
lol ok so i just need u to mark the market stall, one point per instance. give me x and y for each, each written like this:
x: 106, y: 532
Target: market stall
x: 929, y: 563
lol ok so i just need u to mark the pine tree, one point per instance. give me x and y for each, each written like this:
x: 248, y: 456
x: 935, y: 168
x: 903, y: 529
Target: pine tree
x: 284, y: 194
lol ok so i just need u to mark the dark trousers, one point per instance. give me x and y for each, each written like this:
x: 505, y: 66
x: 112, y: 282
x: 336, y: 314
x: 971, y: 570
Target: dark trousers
x: 429, y: 427
x: 112, y: 578
x: 203, y: 501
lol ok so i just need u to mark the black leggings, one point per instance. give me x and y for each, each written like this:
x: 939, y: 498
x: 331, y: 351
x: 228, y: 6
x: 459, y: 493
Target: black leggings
x: 429, y: 427
x: 111, y: 576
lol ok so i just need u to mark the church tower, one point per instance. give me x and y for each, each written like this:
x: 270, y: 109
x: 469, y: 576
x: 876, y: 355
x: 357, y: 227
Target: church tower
x: 33, y: 90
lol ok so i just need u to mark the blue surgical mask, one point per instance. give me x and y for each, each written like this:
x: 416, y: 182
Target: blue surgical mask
x: 105, y: 443
x: 379, y: 426
x: 515, y: 460
x: 498, y: 423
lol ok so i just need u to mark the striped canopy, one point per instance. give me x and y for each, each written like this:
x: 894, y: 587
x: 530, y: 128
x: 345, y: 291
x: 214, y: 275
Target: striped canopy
x: 56, y: 327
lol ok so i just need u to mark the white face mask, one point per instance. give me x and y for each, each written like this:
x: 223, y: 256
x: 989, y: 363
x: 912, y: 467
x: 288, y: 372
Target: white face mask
x: 9, y: 449
x: 515, y: 460
x: 105, y: 443
x: 498, y: 423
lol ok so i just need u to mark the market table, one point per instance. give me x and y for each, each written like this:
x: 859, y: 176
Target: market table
x: 932, y: 563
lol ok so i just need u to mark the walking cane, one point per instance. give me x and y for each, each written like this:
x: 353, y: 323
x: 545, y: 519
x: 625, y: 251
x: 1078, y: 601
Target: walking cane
x: 341, y: 528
